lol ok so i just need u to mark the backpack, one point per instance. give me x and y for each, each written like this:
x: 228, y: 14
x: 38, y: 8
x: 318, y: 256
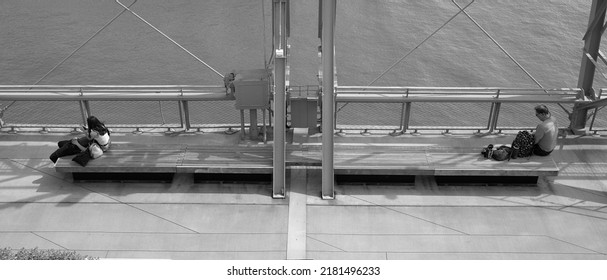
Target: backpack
x: 502, y: 153
x: 524, y: 141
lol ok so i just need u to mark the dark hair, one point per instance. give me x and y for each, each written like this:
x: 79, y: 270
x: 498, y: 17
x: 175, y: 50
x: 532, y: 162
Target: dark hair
x: 542, y: 110
x: 95, y: 124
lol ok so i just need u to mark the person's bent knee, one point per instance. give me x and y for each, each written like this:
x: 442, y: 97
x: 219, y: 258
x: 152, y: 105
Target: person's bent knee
x: 539, y: 151
x: 53, y: 158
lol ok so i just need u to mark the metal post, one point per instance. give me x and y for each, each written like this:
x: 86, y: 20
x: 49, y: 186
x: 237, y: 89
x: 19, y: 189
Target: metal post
x: 592, y: 40
x: 328, y: 97
x: 186, y: 113
x: 407, y: 117
x: 279, y: 25
x: 253, y: 130
x: 496, y: 114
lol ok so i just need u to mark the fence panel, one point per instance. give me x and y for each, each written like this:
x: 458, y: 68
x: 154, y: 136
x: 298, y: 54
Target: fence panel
x: 38, y: 113
x: 428, y: 115
x: 134, y: 113
x: 522, y: 115
x: 369, y: 116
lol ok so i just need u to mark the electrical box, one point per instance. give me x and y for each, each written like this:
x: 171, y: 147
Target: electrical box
x: 304, y: 106
x: 252, y: 89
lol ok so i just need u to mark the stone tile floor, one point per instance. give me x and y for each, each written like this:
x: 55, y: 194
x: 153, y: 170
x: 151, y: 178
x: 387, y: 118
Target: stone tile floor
x: 564, y: 217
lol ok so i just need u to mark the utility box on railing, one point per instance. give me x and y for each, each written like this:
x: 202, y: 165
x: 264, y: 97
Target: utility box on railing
x: 304, y: 107
x: 252, y: 89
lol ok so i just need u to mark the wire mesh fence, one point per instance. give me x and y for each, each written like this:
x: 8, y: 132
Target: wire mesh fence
x: 47, y: 113
x: 598, y: 121
x: 135, y: 113
x: 369, y: 116
x: 429, y: 115
x: 522, y: 115
x: 376, y: 115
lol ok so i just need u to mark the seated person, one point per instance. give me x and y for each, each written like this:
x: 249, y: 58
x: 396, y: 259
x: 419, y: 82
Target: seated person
x: 546, y: 133
x: 96, y: 131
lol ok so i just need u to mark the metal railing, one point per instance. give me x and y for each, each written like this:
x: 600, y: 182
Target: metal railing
x: 439, y: 100
x: 197, y: 107
x: 109, y: 102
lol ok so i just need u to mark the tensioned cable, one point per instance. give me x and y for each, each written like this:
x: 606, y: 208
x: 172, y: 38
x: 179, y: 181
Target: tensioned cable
x: 169, y: 38
x: 503, y: 50
x: 412, y: 50
x: 71, y: 54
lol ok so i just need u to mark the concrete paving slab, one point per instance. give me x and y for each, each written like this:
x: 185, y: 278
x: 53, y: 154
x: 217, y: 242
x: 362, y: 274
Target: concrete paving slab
x: 450, y: 256
x: 168, y: 242
x: 196, y: 255
x: 211, y: 193
x: 29, y: 183
x: 379, y: 243
x: 562, y: 218
x: 219, y: 218
x: 25, y: 239
x: 296, y: 249
x: 446, y: 196
x: 370, y: 220
x: 316, y: 255
x: 590, y: 212
x: 494, y: 256
x: 582, y: 230
x: 93, y: 217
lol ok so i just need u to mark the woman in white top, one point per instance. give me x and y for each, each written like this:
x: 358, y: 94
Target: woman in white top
x: 96, y: 133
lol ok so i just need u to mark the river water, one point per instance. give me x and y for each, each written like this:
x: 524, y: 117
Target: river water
x: 545, y: 37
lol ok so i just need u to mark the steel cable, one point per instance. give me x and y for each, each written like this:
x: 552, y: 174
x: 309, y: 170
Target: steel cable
x: 412, y: 50
x: 71, y: 54
x: 169, y: 38
x: 503, y: 50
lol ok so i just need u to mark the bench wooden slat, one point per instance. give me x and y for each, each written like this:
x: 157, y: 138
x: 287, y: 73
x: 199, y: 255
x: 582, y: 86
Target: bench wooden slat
x: 448, y: 164
x: 348, y: 160
x: 136, y: 158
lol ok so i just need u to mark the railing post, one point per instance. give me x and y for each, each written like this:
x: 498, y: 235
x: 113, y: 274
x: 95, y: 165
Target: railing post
x: 328, y: 97
x: 186, y: 114
x: 83, y: 112
x: 180, y: 105
x: 407, y: 116
x: 592, y: 41
x: 491, y: 116
x: 496, y: 115
x: 85, y: 108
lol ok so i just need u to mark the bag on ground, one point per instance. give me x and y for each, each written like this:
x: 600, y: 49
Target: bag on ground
x: 524, y: 141
x: 83, y: 158
x: 502, y: 153
x: 95, y: 150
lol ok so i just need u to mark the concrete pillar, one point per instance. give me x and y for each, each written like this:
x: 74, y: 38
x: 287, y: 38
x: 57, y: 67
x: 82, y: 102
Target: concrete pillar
x: 328, y: 10
x: 279, y: 25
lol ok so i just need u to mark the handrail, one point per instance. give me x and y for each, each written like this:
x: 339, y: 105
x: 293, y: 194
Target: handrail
x: 403, y: 95
x: 113, y: 92
x: 457, y: 94
x: 494, y: 95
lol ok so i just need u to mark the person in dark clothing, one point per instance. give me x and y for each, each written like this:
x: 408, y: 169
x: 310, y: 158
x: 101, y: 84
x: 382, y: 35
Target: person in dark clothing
x: 96, y: 131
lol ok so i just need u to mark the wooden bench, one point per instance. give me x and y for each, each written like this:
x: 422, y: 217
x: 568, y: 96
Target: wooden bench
x: 447, y: 162
x: 127, y: 162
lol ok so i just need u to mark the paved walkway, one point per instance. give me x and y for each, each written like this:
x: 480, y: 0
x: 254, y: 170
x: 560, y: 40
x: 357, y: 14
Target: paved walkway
x: 564, y: 217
